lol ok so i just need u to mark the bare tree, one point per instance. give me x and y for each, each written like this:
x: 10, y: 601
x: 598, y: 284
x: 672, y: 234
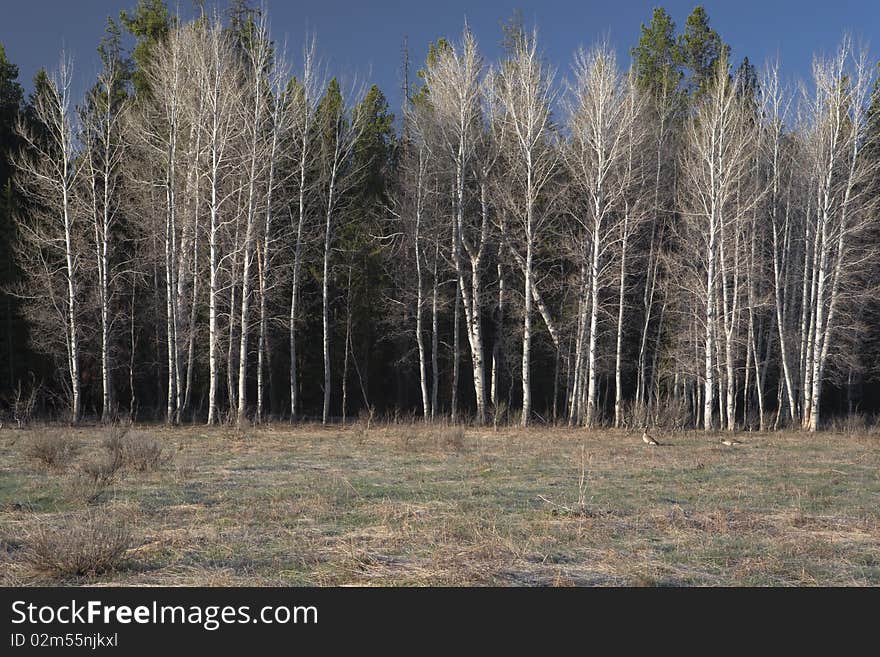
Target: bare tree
x: 158, y: 129
x: 305, y: 99
x: 48, y: 170
x: 340, y: 126
x: 715, y: 166
x: 663, y: 108
x: 604, y: 111
x: 453, y: 80
x: 834, y: 135
x: 415, y: 192
x: 260, y: 148
x: 281, y: 120
x: 220, y: 82
x: 634, y: 191
x: 525, y: 92
x: 102, y: 133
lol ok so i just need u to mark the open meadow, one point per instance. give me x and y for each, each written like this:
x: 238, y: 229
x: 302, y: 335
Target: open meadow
x: 435, y: 505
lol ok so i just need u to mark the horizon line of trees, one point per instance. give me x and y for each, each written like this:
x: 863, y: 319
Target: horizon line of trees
x: 216, y: 234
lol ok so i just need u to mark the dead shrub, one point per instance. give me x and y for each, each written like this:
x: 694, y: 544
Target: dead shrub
x: 408, y: 438
x: 114, y: 442
x: 671, y: 414
x: 427, y: 438
x: 51, y: 450
x: 144, y: 453
x: 364, y: 424
x: 185, y: 471
x: 451, y: 439
x: 94, y: 478
x: 135, y: 450
x: 85, y: 546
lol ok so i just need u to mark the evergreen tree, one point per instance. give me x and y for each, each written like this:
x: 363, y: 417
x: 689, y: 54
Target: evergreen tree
x: 12, y: 334
x: 699, y: 49
x: 362, y: 272
x: 112, y: 57
x: 149, y: 24
x: 656, y: 56
x: 872, y: 147
x: 871, y: 152
x: 747, y: 79
x: 374, y: 149
x: 11, y: 96
x: 420, y: 90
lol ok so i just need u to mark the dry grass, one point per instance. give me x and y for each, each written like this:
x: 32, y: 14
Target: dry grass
x: 135, y: 450
x: 51, y: 450
x: 94, y: 478
x: 83, y: 546
x: 410, y: 504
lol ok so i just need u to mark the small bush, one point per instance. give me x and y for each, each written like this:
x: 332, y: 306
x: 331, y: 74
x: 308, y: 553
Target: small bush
x: 135, y: 450
x: 52, y: 450
x: 451, y: 438
x: 185, y: 471
x: 115, y: 441
x: 85, y: 547
x: 95, y: 477
x: 145, y: 453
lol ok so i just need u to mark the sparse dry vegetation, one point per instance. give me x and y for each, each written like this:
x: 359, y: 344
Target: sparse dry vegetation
x: 135, y: 450
x: 82, y: 546
x: 51, y: 450
x: 409, y: 504
x: 93, y: 479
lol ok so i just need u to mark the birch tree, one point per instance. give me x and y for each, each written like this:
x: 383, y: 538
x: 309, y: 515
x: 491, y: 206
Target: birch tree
x: 834, y: 136
x: 305, y: 97
x: 47, y: 170
x: 158, y: 129
x: 220, y: 82
x: 526, y: 94
x: 715, y: 163
x: 453, y: 80
x: 259, y: 153
x: 339, y: 128
x: 603, y: 117
x: 102, y: 131
x: 280, y: 120
x: 778, y: 154
x: 415, y: 178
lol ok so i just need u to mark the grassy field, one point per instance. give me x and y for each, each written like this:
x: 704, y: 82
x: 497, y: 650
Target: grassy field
x: 414, y: 505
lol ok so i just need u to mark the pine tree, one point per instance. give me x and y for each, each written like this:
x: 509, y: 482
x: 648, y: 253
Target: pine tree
x: 150, y: 24
x: 699, y: 48
x: 656, y: 56
x: 361, y: 275
x: 746, y: 79
x: 419, y: 93
x: 871, y: 152
x: 11, y: 327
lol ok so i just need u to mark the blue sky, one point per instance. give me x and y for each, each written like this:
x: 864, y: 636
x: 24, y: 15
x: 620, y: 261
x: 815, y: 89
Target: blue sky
x: 364, y: 39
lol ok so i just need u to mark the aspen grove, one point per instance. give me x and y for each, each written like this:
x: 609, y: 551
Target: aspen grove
x: 220, y: 231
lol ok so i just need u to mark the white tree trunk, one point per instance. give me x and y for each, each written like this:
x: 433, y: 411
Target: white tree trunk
x: 325, y: 295
x: 417, y: 254
x: 618, y: 363
x: 594, y: 318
